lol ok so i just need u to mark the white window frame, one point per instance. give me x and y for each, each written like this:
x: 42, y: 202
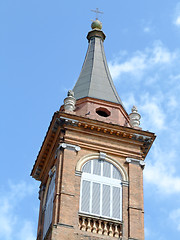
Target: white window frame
x: 112, y: 182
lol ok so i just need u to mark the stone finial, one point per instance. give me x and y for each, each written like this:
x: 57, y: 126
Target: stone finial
x: 70, y: 93
x: 134, y: 117
x: 69, y: 102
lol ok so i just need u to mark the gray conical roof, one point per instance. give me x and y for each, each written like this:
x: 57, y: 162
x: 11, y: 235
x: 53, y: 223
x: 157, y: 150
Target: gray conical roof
x: 95, y: 80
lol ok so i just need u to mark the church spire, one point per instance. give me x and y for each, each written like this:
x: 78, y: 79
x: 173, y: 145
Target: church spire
x: 95, y: 80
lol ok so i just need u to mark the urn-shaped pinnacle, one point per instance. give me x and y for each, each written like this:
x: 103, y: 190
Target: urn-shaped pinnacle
x: 134, y: 117
x: 69, y: 102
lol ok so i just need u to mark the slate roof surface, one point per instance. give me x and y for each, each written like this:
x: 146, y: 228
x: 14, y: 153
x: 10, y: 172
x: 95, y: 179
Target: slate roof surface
x: 95, y: 80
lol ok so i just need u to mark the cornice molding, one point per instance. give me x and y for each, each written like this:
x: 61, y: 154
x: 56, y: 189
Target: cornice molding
x: 62, y: 121
x: 110, y: 129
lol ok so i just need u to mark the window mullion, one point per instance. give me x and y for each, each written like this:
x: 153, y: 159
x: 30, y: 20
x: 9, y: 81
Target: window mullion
x: 91, y: 186
x: 111, y: 200
x: 81, y: 191
x: 101, y: 195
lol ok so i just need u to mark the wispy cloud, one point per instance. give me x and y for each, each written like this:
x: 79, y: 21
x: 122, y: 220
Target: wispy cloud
x: 153, y: 114
x: 176, y: 20
x: 153, y: 78
x: 27, y: 231
x: 141, y: 61
x: 151, y: 110
x: 162, y: 172
x: 147, y: 29
x: 175, y: 216
x: 147, y: 26
x: 135, y: 66
x: 9, y: 218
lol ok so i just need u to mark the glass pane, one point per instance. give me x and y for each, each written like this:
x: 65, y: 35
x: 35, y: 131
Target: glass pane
x: 116, y: 203
x: 51, y: 188
x: 87, y: 167
x: 116, y: 173
x: 97, y: 167
x: 85, y: 198
x: 106, y: 169
x: 49, y: 206
x: 96, y: 198
x: 106, y: 201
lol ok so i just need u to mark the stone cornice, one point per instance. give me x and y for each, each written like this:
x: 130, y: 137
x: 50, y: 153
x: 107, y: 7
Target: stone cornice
x: 118, y: 130
x: 144, y: 137
x: 61, y: 121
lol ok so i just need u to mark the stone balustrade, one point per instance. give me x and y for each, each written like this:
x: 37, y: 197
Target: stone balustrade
x: 107, y: 227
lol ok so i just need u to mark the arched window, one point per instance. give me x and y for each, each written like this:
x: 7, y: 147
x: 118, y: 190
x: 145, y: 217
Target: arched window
x: 49, y: 197
x: 101, y: 190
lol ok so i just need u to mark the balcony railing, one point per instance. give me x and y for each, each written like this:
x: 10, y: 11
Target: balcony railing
x: 106, y: 227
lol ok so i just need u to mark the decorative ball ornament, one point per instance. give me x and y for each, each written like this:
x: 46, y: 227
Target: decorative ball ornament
x: 96, y: 24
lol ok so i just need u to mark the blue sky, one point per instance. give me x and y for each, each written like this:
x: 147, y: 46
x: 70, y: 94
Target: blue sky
x: 42, y: 48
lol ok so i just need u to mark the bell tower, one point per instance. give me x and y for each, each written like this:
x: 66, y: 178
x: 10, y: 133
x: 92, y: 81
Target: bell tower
x: 90, y: 165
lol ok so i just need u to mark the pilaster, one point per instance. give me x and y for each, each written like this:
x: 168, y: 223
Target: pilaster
x: 68, y: 211
x: 136, y: 208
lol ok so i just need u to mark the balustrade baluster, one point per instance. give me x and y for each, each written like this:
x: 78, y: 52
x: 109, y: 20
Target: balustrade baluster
x: 110, y: 232
x: 101, y: 227
x: 100, y: 230
x: 83, y: 224
x: 105, y: 230
x: 94, y: 227
x: 88, y: 227
x: 116, y: 232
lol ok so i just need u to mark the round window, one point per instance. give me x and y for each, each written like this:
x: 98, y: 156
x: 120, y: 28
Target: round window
x: 103, y: 112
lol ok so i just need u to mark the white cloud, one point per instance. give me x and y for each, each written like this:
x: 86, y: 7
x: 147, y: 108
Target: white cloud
x: 147, y: 29
x: 9, y: 218
x: 134, y: 66
x: 162, y: 172
x: 177, y: 21
x: 177, y: 15
x: 141, y: 61
x: 153, y: 77
x: 151, y: 110
x: 130, y: 101
x: 161, y: 55
x: 27, y: 231
x: 172, y: 102
x: 175, y: 216
x: 153, y: 115
x: 147, y: 26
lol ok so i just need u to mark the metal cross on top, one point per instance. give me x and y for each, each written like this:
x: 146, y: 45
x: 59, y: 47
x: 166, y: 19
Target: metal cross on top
x: 97, y: 12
